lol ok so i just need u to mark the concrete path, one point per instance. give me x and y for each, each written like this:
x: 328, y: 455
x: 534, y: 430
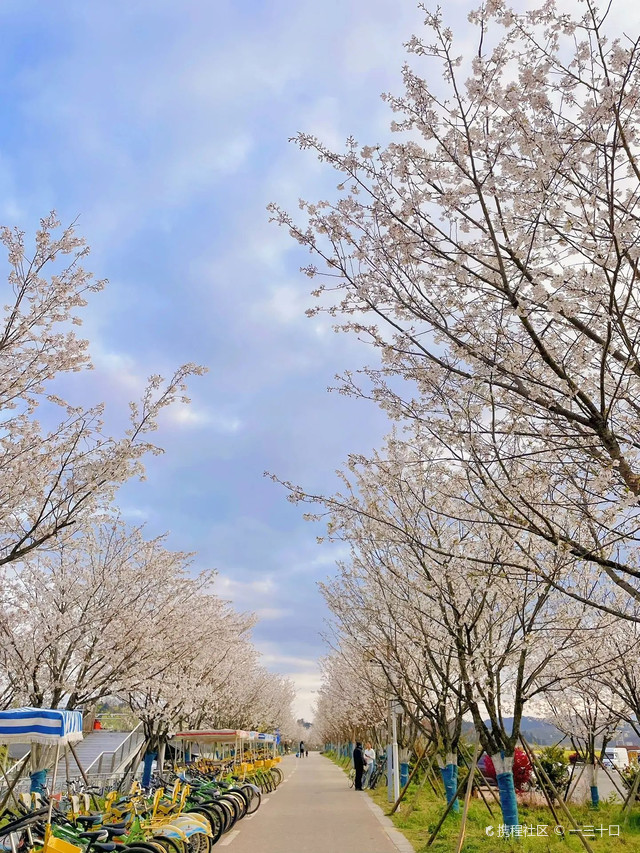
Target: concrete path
x: 315, y: 811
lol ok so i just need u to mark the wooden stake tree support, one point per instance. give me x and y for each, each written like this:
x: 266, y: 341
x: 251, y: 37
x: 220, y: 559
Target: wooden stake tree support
x: 410, y: 779
x: 552, y: 788
x: 467, y: 797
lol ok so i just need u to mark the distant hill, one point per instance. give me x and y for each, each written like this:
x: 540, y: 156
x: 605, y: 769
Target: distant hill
x: 542, y: 733
x: 535, y: 731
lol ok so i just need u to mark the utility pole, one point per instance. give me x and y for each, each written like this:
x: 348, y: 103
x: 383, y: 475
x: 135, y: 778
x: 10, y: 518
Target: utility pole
x: 393, y: 765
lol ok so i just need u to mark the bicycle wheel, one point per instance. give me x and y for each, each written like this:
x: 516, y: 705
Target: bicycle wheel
x: 240, y: 801
x: 138, y: 847
x: 215, y: 820
x: 168, y: 844
x: 221, y: 814
x: 228, y: 812
x: 152, y: 846
x: 232, y: 803
x: 192, y: 844
x: 204, y: 841
x: 255, y: 798
x: 277, y: 774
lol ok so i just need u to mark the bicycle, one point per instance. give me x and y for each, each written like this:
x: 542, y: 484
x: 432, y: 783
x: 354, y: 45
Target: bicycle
x: 379, y: 771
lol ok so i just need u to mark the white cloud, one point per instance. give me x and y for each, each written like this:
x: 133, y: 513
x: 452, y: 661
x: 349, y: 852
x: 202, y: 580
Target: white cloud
x: 245, y: 594
x: 196, y: 170
x: 290, y: 663
x: 135, y: 514
x: 270, y: 614
x: 121, y: 368
x: 192, y: 415
x: 303, y: 672
x: 285, y: 303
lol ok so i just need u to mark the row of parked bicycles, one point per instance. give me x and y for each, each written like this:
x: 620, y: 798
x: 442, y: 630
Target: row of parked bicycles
x: 187, y: 810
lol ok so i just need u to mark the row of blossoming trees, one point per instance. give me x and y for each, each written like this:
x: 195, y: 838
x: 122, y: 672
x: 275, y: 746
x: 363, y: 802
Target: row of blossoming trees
x: 91, y: 607
x: 489, y: 256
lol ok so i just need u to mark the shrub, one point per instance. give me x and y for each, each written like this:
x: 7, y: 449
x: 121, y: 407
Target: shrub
x: 629, y: 774
x: 555, y: 765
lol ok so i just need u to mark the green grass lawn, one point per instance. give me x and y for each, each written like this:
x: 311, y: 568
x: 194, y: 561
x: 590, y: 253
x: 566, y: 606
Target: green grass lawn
x: 420, y: 812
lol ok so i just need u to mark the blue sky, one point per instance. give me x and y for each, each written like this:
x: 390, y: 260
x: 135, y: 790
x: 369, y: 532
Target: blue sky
x: 164, y: 127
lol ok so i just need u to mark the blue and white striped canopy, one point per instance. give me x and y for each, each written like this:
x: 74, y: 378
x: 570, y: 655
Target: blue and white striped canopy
x: 40, y: 725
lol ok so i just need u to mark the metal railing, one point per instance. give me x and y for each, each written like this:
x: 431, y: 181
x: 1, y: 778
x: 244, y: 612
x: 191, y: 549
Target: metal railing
x: 102, y: 771
x: 16, y: 769
x: 107, y: 763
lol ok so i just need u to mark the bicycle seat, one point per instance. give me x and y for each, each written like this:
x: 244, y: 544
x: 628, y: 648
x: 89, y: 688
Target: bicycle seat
x: 87, y: 820
x: 105, y: 846
x: 95, y: 835
x: 115, y: 829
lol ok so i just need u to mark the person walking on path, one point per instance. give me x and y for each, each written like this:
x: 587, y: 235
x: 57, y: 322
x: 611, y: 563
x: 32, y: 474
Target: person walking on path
x: 301, y: 749
x: 358, y: 763
x: 369, y: 765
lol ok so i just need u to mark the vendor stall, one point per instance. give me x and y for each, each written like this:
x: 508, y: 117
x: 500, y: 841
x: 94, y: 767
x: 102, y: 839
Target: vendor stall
x: 46, y: 730
x: 237, y: 745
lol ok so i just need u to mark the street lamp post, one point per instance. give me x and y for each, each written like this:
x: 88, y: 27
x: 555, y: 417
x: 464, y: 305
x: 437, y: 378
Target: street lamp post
x: 393, y: 709
x: 393, y: 766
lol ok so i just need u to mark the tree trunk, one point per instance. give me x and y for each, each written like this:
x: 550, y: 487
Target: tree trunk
x: 595, y: 796
x: 449, y: 773
x: 506, y: 788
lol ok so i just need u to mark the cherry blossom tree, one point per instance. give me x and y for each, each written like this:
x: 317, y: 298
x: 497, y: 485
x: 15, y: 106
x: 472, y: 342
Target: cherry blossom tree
x: 490, y: 255
x: 403, y: 660
x: 54, y: 476
x: 618, y: 671
x: 352, y: 698
x: 90, y: 608
x: 249, y: 696
x: 452, y: 594
x: 93, y: 616
x: 203, y: 646
x: 208, y: 675
x: 586, y: 712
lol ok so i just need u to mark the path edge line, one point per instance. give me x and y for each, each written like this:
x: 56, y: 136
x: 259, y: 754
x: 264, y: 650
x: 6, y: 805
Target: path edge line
x: 399, y: 841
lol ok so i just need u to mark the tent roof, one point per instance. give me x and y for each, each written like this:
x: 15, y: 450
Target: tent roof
x: 40, y: 725
x: 213, y: 735
x: 222, y: 736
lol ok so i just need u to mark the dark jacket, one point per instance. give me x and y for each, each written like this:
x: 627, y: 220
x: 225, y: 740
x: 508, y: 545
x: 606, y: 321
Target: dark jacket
x: 358, y: 758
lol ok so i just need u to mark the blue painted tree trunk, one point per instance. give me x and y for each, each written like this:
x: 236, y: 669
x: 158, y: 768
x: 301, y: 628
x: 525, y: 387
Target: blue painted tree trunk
x: 449, y: 775
x: 404, y: 773
x: 595, y: 795
x: 149, y: 758
x: 507, y: 790
x: 454, y: 785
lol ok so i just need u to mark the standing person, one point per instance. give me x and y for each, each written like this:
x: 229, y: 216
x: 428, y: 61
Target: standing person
x: 358, y: 763
x: 369, y: 764
x: 301, y: 749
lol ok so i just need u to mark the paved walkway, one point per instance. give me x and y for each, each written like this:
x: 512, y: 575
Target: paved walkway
x: 315, y: 811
